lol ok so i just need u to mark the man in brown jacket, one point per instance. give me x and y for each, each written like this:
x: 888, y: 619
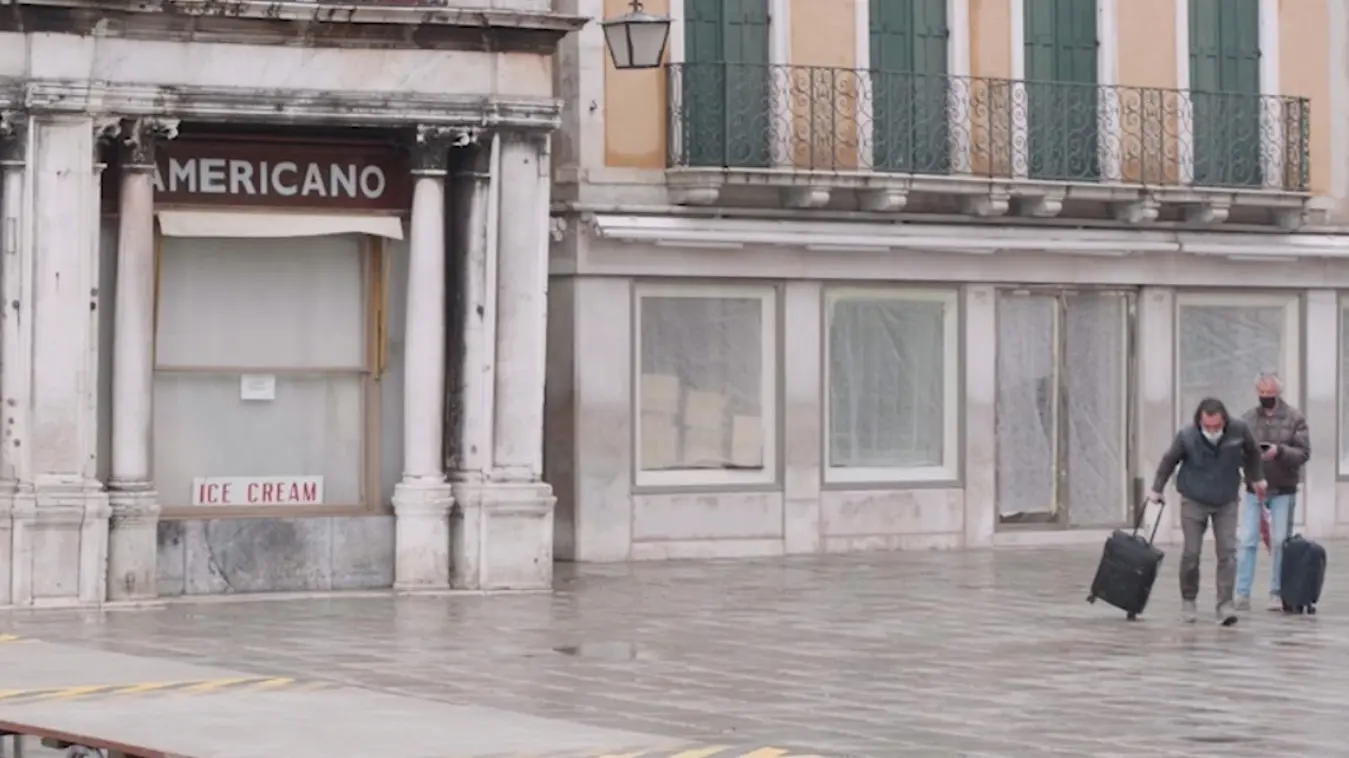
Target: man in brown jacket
x: 1281, y: 430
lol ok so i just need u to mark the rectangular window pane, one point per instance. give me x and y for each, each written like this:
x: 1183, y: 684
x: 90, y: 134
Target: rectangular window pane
x: 313, y: 427
x: 1223, y: 349
x: 887, y: 383
x: 284, y: 303
x: 700, y: 389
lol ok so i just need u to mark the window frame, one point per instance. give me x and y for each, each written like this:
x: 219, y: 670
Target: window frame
x: 1341, y: 391
x: 1290, y: 363
x: 683, y: 478
x: 375, y: 261
x: 949, y: 471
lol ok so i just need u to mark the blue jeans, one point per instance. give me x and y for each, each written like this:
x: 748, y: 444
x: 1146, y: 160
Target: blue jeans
x: 1280, y: 510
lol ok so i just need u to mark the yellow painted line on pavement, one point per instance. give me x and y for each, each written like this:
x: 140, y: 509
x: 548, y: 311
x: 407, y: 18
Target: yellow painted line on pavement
x: 686, y: 751
x: 217, y: 684
x: 197, y: 687
x: 702, y: 752
x: 141, y: 689
x: 273, y: 684
x: 70, y: 693
x: 10, y: 638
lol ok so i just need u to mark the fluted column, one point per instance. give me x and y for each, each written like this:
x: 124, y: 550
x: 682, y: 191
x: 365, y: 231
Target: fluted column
x: 132, y: 538
x: 422, y: 499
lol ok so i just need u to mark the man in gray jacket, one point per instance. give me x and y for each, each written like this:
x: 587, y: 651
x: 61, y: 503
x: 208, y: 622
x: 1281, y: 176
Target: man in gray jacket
x: 1286, y: 444
x: 1211, y: 454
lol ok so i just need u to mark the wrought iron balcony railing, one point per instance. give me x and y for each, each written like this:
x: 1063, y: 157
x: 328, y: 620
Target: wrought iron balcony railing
x: 724, y: 115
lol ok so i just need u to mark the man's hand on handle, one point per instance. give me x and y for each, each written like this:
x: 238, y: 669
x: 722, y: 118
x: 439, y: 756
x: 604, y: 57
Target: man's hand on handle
x: 1154, y: 497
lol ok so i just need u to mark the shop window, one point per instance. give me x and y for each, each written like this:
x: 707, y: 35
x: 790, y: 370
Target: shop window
x: 262, y: 390
x: 891, y: 373
x: 705, y: 389
x: 1225, y: 341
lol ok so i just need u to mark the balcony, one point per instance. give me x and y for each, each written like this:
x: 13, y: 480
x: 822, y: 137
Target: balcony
x: 879, y: 141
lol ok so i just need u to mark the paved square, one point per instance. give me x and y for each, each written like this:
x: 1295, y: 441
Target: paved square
x: 907, y: 654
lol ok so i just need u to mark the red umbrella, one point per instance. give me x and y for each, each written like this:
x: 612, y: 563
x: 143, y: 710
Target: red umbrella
x: 1264, y: 528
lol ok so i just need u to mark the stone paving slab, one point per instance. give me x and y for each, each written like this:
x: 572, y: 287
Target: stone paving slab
x: 37, y: 665
x: 991, y: 653
x: 322, y: 724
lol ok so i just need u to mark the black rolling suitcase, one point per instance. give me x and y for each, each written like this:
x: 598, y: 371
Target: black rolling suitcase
x: 1128, y: 568
x: 1301, y: 573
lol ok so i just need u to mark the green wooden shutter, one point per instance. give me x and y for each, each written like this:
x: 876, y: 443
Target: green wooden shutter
x: 749, y: 95
x: 908, y: 40
x: 703, y: 102
x: 726, y: 106
x: 1061, y: 86
x: 1224, y: 92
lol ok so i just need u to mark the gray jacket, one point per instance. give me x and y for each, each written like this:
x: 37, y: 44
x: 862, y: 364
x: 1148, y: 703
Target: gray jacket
x: 1286, y: 427
x: 1210, y: 473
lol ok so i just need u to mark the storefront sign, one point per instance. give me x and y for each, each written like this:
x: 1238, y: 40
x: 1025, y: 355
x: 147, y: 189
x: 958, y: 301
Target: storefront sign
x: 258, y: 490
x: 283, y: 175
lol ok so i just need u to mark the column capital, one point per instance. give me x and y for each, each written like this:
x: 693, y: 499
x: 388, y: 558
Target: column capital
x: 138, y: 139
x: 107, y: 129
x: 431, y: 145
x: 13, y: 137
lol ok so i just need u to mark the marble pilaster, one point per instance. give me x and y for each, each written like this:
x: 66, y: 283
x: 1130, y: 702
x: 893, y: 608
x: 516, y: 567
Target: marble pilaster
x: 67, y: 526
x: 503, y: 530
x: 13, y: 148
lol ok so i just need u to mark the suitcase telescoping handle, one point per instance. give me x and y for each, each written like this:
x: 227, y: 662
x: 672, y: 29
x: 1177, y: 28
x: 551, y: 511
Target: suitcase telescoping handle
x: 1143, y: 512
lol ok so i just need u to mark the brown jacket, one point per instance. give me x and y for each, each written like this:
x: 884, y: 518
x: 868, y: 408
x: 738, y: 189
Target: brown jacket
x: 1287, y: 428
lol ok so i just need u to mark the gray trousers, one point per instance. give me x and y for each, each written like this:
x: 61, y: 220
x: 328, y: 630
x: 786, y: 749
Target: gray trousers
x: 1194, y: 518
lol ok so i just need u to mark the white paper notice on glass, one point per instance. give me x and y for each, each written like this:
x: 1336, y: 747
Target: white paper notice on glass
x: 257, y: 387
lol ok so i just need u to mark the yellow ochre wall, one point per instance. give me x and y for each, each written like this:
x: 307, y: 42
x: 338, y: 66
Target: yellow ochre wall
x: 822, y: 93
x: 634, y: 105
x: 1304, y: 71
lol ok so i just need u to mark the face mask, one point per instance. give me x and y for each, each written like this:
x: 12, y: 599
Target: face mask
x: 1268, y: 402
x: 1213, y: 436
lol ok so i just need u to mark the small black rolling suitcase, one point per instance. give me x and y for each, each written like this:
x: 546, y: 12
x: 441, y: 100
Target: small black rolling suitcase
x: 1128, y: 568
x: 1301, y: 573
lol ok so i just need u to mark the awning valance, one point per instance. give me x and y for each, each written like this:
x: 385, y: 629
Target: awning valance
x: 254, y: 224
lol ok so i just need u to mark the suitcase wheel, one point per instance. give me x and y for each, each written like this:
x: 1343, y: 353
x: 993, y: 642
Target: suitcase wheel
x: 1131, y: 617
x: 1311, y: 610
x: 1288, y: 608
x: 1091, y: 598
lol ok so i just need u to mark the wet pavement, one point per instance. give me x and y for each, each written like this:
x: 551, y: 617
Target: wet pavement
x: 906, y: 654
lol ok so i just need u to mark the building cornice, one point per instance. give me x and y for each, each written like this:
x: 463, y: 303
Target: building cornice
x: 837, y: 237
x: 412, y: 25
x: 286, y: 106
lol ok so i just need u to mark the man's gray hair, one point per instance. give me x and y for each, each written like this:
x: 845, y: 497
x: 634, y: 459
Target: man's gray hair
x: 1269, y: 376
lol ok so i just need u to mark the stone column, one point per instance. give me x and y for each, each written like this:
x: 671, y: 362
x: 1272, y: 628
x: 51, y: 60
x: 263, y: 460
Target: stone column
x: 504, y: 529
x: 132, y: 529
x: 422, y: 500
x: 13, y: 145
